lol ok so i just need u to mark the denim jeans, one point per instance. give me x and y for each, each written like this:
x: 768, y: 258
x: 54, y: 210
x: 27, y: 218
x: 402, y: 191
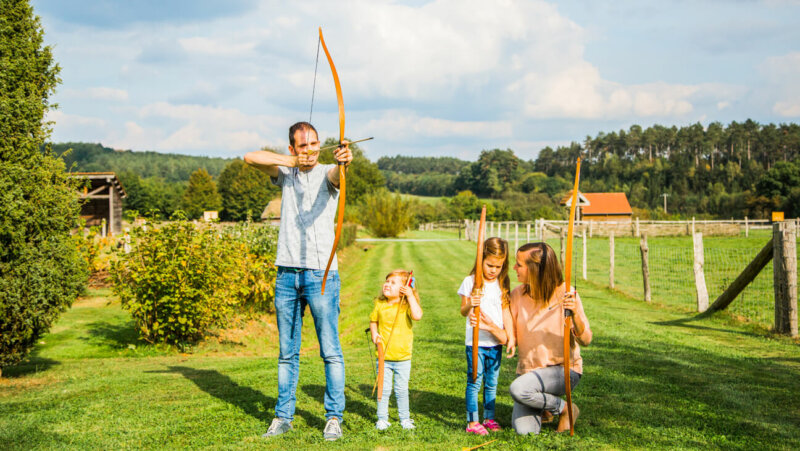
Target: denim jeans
x: 488, y: 371
x: 294, y: 289
x: 401, y: 370
x: 537, y: 391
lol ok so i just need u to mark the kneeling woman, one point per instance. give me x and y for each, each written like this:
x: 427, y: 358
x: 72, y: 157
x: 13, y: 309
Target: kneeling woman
x: 537, y: 309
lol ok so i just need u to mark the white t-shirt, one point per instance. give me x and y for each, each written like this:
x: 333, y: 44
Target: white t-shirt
x: 491, y: 306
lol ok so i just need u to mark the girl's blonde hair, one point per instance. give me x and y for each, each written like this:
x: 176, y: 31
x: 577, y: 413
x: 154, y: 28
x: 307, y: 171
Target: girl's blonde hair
x: 544, y: 271
x: 498, y: 247
x: 403, y: 274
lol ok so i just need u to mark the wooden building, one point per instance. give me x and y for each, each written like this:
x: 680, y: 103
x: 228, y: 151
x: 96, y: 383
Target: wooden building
x: 102, y: 195
x: 601, y: 206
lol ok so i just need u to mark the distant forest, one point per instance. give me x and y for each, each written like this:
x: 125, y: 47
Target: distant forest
x: 718, y: 171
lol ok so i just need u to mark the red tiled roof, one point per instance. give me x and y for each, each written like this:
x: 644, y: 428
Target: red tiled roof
x: 607, y: 204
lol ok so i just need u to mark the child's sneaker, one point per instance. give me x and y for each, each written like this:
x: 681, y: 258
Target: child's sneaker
x: 491, y: 425
x: 382, y: 425
x: 478, y: 429
x: 408, y: 423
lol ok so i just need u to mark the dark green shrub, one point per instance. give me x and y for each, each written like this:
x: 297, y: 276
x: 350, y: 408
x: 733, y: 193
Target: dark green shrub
x: 41, y: 269
x: 386, y: 214
x: 257, y: 288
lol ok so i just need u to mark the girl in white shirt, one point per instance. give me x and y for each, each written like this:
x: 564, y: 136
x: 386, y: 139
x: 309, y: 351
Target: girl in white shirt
x: 495, y: 331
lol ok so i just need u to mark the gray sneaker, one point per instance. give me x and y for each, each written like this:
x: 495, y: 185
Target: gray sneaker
x: 278, y: 427
x: 333, y: 430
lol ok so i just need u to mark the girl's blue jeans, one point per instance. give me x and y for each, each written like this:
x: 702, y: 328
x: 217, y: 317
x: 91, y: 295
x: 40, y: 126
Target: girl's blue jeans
x: 399, y: 370
x: 488, y: 372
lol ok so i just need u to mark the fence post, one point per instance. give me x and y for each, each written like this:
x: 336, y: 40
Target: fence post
x: 645, y: 268
x: 636, y: 230
x: 784, y: 267
x: 527, y: 232
x: 541, y: 229
x: 746, y: 227
x: 561, y: 245
x: 692, y: 225
x: 584, y: 255
x: 699, y: 274
x: 516, y: 236
x: 508, y: 231
x: 591, y: 227
x: 611, y: 262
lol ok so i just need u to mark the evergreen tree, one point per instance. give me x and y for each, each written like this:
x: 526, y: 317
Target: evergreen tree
x: 245, y: 191
x: 41, y: 269
x: 201, y: 195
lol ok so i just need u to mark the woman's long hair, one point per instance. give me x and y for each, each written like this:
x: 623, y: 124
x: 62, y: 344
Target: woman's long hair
x: 403, y: 274
x: 544, y: 271
x: 498, y: 247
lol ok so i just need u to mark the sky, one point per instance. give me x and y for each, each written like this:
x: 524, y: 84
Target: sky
x: 425, y: 78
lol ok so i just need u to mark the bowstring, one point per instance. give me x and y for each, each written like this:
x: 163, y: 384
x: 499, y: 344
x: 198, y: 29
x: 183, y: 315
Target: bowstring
x: 314, y: 85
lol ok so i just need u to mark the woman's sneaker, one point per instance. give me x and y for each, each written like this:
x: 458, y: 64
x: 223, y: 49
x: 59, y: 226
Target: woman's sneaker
x: 408, y: 423
x: 478, y: 429
x: 382, y: 425
x: 491, y: 425
x: 333, y: 430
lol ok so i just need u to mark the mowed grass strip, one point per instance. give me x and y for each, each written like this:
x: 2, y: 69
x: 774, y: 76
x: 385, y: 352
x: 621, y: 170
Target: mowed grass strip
x: 651, y: 379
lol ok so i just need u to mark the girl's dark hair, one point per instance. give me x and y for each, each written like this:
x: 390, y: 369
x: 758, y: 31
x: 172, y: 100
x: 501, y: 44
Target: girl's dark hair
x: 544, y: 271
x: 498, y: 247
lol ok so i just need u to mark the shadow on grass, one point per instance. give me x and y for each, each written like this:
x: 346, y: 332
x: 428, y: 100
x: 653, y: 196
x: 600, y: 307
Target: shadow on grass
x: 444, y: 409
x: 353, y: 406
x: 673, y: 395
x: 117, y: 336
x: 687, y: 323
x: 30, y: 365
x: 250, y: 401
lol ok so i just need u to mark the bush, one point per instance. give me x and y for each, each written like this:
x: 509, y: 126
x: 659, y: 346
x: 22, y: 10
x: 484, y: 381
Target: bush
x: 386, y: 214
x: 178, y: 281
x: 257, y: 291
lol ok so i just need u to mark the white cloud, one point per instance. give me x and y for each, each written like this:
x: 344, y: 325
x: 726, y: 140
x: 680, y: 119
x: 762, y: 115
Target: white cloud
x: 405, y: 124
x: 98, y: 93
x: 782, y: 73
x: 216, y: 47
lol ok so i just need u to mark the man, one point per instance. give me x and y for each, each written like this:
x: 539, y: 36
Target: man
x: 308, y: 208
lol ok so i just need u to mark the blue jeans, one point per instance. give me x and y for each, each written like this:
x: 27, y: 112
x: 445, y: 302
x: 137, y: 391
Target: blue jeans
x: 294, y: 289
x: 488, y: 372
x: 401, y: 369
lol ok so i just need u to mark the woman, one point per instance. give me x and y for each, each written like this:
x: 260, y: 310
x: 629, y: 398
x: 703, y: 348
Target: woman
x: 537, y: 310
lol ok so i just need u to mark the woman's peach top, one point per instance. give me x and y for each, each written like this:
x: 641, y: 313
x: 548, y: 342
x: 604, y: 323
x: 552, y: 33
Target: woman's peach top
x: 539, y: 331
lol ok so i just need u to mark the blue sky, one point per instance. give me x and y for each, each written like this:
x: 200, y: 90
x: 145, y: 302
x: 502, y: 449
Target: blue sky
x: 425, y: 78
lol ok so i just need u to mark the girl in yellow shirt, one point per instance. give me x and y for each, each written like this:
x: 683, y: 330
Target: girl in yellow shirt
x: 390, y: 324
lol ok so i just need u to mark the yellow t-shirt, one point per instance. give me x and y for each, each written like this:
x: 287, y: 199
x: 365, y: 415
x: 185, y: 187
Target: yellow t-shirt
x: 399, y: 347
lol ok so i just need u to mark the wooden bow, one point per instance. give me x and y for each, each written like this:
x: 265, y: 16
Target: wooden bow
x: 382, y: 350
x: 476, y: 287
x: 342, y: 167
x: 568, y: 313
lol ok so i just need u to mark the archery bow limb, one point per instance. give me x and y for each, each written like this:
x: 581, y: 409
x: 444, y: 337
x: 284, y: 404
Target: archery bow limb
x: 476, y: 287
x: 568, y: 313
x: 381, y: 350
x: 342, y: 166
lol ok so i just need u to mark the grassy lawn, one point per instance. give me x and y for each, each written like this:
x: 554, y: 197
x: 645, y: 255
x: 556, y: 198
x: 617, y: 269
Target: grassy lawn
x: 651, y: 379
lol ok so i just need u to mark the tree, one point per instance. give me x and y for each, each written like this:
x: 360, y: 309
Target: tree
x: 41, y: 269
x: 245, y: 191
x: 363, y: 176
x: 201, y: 195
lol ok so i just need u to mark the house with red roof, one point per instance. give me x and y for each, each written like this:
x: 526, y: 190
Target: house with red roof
x: 600, y: 206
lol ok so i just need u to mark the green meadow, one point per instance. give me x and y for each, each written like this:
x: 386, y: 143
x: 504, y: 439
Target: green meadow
x: 652, y: 380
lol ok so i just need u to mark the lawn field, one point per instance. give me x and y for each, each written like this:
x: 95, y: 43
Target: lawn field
x: 652, y: 380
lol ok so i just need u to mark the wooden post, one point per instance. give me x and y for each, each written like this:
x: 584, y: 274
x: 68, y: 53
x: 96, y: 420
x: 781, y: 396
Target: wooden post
x: 636, y: 230
x: 746, y: 227
x: 491, y: 228
x: 591, y: 227
x: 611, y: 259
x: 584, y: 254
x: 563, y: 250
x: 541, y: 229
x: 699, y: 274
x: 692, y: 225
x: 645, y: 268
x: 508, y: 231
x: 742, y: 280
x: 527, y: 233
x: 516, y: 235
x: 784, y: 266
x: 103, y: 228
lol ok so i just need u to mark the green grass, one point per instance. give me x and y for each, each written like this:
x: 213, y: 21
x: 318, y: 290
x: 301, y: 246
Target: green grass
x: 652, y: 380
